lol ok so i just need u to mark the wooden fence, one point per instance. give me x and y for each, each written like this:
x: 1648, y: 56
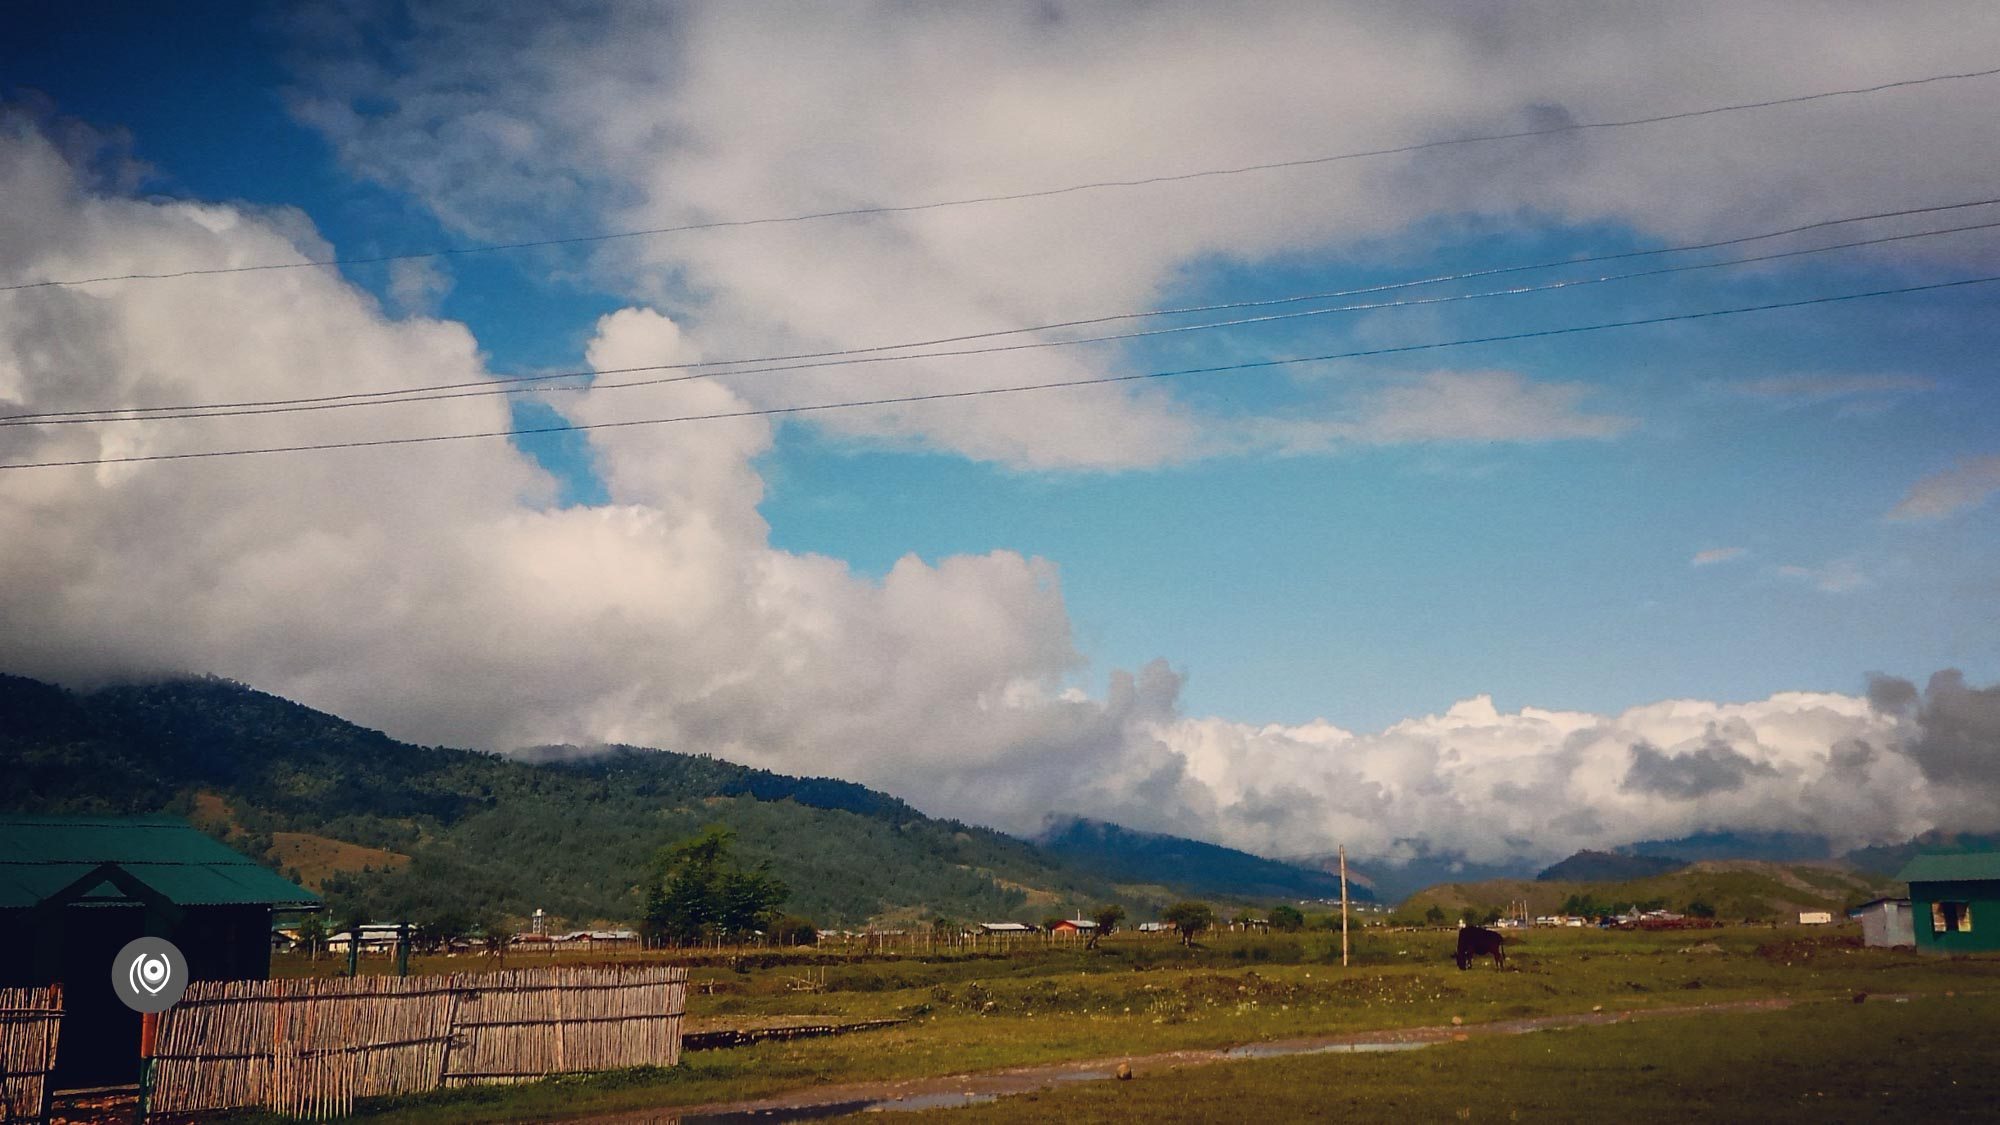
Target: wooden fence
x: 30, y: 1022
x: 302, y: 1047
x: 929, y: 941
x: 528, y: 1023
x: 309, y: 1048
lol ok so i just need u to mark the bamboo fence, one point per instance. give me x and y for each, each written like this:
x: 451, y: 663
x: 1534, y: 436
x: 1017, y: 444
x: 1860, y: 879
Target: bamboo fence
x: 309, y: 1048
x: 30, y: 1022
x: 528, y: 1023
x: 302, y: 1047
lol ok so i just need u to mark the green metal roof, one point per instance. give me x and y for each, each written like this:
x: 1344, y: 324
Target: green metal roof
x: 1965, y: 867
x: 41, y: 855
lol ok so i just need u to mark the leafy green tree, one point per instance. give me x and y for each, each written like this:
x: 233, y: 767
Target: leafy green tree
x: 441, y: 929
x: 1585, y: 906
x: 790, y: 929
x: 1435, y: 915
x: 1700, y: 909
x: 698, y: 893
x: 490, y: 932
x: 1189, y: 919
x: 312, y: 935
x: 1491, y: 916
x: 749, y: 900
x: 1286, y: 918
x: 1107, y: 919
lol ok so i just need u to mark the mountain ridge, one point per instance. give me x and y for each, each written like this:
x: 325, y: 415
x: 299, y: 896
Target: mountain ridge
x: 568, y: 829
x: 1134, y: 856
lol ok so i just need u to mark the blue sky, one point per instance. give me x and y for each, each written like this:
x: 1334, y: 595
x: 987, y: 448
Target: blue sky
x: 1717, y: 509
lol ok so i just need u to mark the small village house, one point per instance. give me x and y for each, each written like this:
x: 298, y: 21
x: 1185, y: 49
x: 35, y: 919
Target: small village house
x: 1886, y: 923
x: 1074, y: 926
x: 600, y: 939
x: 74, y: 890
x: 377, y: 938
x: 1955, y: 902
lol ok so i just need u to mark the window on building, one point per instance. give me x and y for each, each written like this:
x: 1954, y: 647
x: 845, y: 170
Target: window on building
x: 1951, y: 917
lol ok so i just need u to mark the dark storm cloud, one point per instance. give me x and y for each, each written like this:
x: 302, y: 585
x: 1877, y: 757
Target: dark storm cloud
x: 1891, y: 695
x: 1959, y: 731
x: 1715, y: 768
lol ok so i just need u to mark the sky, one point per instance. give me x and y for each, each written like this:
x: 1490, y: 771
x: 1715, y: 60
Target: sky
x: 1494, y: 580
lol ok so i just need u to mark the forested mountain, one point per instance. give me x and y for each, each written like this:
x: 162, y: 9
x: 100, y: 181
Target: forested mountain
x: 395, y: 830
x: 1732, y: 890
x: 1888, y: 859
x: 1417, y: 868
x: 1207, y: 869
x: 1592, y: 867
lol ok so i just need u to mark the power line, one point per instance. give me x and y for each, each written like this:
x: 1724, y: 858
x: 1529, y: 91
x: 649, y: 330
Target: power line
x: 1001, y: 348
x: 1043, y: 193
x: 518, y: 384
x: 940, y: 396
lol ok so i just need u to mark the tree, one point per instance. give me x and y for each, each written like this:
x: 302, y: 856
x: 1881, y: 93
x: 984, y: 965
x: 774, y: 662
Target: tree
x: 1189, y: 918
x: 1435, y: 915
x: 312, y: 935
x: 749, y: 901
x: 441, y: 929
x: 698, y: 893
x: 1286, y: 918
x: 1107, y: 919
x: 790, y: 929
x: 1491, y: 916
x: 490, y: 932
x: 1700, y: 909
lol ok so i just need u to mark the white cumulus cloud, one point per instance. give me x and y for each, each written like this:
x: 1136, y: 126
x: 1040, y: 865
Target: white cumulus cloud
x: 510, y: 127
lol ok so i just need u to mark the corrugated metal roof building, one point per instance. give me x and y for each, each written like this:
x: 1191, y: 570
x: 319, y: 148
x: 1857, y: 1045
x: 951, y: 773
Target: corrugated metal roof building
x: 74, y: 890
x: 1886, y: 922
x: 1955, y: 902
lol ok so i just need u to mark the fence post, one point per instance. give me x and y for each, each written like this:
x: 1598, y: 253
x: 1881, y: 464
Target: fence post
x: 149, y: 1035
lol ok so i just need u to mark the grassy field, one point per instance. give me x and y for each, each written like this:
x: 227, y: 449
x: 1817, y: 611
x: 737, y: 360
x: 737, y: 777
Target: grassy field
x: 1136, y: 996
x: 1926, y: 1059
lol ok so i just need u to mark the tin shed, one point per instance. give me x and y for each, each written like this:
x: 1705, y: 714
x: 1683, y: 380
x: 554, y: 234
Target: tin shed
x: 1886, y: 922
x: 1955, y: 902
x: 74, y: 890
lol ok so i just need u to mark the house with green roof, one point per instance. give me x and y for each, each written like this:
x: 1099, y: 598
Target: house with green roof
x: 1955, y: 902
x: 75, y: 889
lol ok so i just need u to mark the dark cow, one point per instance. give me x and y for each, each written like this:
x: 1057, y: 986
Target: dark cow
x: 1475, y: 942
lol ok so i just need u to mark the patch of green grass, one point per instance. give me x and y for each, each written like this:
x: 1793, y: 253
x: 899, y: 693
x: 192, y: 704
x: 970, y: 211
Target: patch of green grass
x: 1135, y: 996
x: 1825, y: 1061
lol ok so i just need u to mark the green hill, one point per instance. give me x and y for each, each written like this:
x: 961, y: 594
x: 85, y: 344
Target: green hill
x: 1736, y: 890
x: 1608, y: 867
x: 396, y: 830
x: 1131, y: 856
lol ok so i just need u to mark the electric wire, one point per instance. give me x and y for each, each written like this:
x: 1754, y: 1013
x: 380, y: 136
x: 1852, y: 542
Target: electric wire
x: 982, y: 392
x: 555, y: 381
x: 1043, y: 193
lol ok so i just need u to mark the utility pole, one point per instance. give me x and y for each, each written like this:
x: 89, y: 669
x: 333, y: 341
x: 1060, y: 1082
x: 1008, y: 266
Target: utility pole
x: 1343, y: 906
